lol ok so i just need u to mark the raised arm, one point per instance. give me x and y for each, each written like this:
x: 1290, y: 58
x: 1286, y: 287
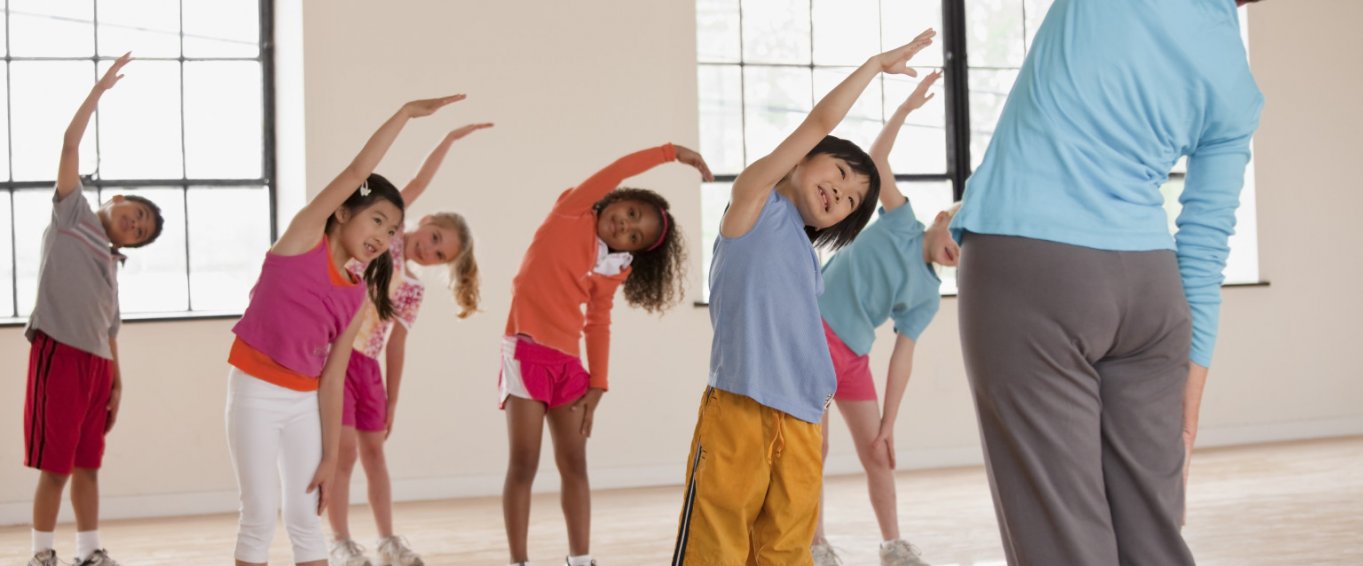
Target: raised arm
x: 890, y: 195
x: 418, y: 184
x: 306, y: 228
x: 583, y: 196
x: 755, y: 183
x: 68, y: 168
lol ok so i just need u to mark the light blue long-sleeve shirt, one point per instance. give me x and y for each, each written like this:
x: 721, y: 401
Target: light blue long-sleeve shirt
x: 1112, y: 93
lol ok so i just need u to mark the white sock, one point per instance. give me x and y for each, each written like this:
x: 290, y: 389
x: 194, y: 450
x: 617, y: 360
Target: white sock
x: 584, y: 560
x: 43, y: 541
x: 887, y: 544
x: 86, y: 544
x: 526, y: 563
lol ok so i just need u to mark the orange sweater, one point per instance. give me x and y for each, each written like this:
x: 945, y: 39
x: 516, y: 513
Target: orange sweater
x: 556, y: 276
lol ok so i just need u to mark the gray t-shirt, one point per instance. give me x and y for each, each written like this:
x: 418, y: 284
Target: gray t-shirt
x: 77, y: 279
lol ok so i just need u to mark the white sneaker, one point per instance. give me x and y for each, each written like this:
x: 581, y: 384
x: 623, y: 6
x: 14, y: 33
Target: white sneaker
x: 823, y: 555
x: 97, y: 558
x: 901, y: 553
x: 568, y: 562
x: 394, y: 551
x: 347, y: 553
x: 44, y: 558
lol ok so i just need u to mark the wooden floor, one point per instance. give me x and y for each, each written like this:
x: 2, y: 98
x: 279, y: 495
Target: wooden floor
x: 1293, y: 503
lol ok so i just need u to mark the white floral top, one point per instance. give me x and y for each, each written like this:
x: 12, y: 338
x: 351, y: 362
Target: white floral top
x: 406, y: 293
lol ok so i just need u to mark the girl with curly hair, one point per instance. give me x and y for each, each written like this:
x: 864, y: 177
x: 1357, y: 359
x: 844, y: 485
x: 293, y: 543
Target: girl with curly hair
x: 596, y: 238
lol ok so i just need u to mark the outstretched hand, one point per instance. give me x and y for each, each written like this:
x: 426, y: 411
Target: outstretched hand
x: 112, y: 76
x: 896, y: 61
x: 690, y: 157
x: 459, y: 133
x: 428, y: 106
x: 921, y: 95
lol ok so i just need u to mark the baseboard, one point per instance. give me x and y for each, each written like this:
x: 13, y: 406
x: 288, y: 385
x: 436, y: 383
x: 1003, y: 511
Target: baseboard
x: 485, y: 485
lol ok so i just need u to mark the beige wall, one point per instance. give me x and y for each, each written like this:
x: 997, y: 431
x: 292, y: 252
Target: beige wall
x: 573, y: 85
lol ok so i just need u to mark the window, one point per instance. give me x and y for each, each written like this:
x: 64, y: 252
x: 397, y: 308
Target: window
x: 189, y: 127
x: 763, y: 63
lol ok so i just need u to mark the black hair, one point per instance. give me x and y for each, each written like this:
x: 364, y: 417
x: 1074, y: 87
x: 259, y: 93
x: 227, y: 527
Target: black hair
x: 379, y: 273
x: 656, y: 279
x: 159, y: 221
x: 842, y: 233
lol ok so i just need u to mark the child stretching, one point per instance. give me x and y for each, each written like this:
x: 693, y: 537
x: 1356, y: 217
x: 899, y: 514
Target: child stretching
x: 886, y: 274
x: 754, y: 472
x: 74, y: 383
x: 293, y: 344
x: 367, y: 418
x: 595, y: 238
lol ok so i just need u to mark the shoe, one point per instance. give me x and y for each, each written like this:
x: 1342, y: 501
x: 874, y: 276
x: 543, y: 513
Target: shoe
x: 394, y: 551
x: 566, y: 562
x: 901, y: 553
x: 97, y: 558
x: 347, y: 553
x: 823, y: 555
x: 44, y: 558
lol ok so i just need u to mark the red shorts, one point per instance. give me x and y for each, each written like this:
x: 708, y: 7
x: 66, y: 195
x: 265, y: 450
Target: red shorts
x: 853, y: 371
x: 366, y: 398
x: 540, y: 373
x: 66, y: 408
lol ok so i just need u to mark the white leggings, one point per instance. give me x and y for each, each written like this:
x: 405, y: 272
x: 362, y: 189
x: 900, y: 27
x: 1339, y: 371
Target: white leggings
x: 275, y: 436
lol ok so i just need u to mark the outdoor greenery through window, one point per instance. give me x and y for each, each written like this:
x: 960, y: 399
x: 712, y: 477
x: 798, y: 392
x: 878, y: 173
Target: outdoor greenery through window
x: 763, y: 63
x: 189, y: 127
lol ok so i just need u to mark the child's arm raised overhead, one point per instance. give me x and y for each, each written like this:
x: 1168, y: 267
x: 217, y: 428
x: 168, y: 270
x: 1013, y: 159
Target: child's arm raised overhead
x: 423, y: 177
x: 306, y: 227
x: 609, y: 178
x: 880, y: 149
x: 755, y: 183
x: 68, y: 168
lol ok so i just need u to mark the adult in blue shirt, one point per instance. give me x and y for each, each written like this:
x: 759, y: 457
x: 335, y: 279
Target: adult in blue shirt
x: 1086, y: 328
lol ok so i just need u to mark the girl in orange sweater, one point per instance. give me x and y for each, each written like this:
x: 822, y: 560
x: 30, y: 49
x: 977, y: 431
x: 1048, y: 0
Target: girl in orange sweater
x: 595, y: 238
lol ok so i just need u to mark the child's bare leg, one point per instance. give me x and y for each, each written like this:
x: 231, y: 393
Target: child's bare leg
x: 570, y: 453
x: 380, y: 484
x: 820, y: 537
x: 525, y: 428
x: 85, y: 498
x: 338, y: 506
x: 47, y: 501
x: 863, y: 421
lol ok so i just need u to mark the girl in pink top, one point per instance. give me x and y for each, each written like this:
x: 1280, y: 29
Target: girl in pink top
x: 299, y: 327
x: 441, y: 238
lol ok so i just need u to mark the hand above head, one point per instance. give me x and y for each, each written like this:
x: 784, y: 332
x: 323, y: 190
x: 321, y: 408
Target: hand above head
x: 921, y: 95
x: 459, y: 133
x: 896, y: 61
x: 428, y: 106
x: 112, y: 75
x: 690, y: 157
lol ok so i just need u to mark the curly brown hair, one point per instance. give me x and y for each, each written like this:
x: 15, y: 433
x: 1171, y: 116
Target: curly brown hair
x: 657, y: 277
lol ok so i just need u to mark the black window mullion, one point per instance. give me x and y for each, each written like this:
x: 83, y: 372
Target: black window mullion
x: 266, y: 59
x: 957, y: 86
x: 9, y: 169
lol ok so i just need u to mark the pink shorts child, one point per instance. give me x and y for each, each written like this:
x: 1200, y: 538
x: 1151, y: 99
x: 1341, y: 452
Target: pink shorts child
x: 366, y: 399
x: 66, y: 408
x: 540, y: 373
x: 854, y: 372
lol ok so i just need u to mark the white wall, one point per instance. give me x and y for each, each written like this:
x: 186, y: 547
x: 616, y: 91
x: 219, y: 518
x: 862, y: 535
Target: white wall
x: 571, y: 86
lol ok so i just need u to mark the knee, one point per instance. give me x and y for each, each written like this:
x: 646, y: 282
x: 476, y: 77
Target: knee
x: 347, y: 455
x: 875, y: 461
x: 53, y: 480
x: 371, y: 453
x: 522, y: 467
x: 572, y: 464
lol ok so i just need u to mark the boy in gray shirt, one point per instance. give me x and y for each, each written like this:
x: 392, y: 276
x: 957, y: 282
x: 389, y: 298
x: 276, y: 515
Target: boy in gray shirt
x: 73, y: 377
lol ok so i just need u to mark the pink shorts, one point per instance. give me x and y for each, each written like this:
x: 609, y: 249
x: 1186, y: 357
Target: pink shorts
x: 853, y: 371
x: 366, y: 398
x: 67, y: 407
x: 540, y: 373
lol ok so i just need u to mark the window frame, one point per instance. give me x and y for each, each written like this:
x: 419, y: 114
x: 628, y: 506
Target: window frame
x: 9, y: 187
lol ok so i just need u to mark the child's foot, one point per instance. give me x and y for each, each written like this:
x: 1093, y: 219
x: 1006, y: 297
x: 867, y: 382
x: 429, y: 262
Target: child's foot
x: 394, y: 551
x: 823, y: 555
x: 900, y: 553
x: 97, y: 558
x: 347, y: 553
x: 44, y: 558
x: 569, y: 561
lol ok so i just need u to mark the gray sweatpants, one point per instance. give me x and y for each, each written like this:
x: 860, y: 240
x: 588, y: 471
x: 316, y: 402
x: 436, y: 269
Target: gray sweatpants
x: 1077, y: 359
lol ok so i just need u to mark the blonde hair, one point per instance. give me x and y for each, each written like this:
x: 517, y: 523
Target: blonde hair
x: 464, y: 267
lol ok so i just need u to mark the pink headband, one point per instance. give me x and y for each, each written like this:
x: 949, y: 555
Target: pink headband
x: 662, y: 213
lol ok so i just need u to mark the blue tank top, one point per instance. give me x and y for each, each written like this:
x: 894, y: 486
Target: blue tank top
x: 768, y: 336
